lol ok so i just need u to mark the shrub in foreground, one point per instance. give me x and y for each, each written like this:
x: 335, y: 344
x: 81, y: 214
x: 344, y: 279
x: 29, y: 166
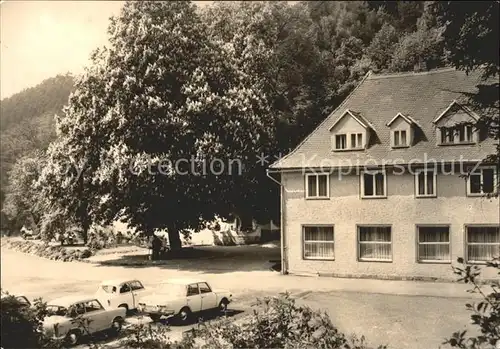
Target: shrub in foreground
x: 144, y: 336
x: 485, y: 314
x: 279, y: 323
x: 21, y: 323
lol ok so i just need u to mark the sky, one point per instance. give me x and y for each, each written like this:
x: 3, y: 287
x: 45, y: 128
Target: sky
x: 40, y: 39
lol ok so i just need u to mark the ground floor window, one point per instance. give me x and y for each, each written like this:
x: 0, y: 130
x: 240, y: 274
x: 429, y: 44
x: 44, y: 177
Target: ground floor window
x: 434, y: 244
x: 374, y: 243
x: 318, y: 242
x: 483, y: 243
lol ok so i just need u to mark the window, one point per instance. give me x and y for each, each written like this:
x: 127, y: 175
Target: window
x: 447, y: 135
x: 481, y: 181
x: 373, y: 184
x: 136, y: 285
x: 93, y: 305
x: 455, y: 135
x: 60, y: 311
x: 425, y: 183
x: 318, y: 242
x: 204, y: 288
x: 317, y: 186
x: 434, y: 244
x: 193, y: 290
x: 375, y: 243
x: 465, y: 133
x: 400, y: 138
x: 108, y: 288
x: 340, y: 141
x: 124, y: 288
x: 356, y: 140
x: 77, y: 309
x: 483, y: 243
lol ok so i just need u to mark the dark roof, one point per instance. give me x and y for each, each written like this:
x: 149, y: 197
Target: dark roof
x: 378, y: 99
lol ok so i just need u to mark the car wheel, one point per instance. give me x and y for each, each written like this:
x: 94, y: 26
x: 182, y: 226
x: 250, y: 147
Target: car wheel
x: 155, y: 317
x: 223, y: 306
x: 73, y: 337
x: 127, y: 311
x: 185, y: 315
x: 117, y: 324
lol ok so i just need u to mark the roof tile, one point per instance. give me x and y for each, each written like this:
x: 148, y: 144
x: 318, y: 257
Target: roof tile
x: 378, y: 98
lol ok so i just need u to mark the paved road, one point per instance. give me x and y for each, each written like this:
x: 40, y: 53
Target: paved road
x: 394, y: 313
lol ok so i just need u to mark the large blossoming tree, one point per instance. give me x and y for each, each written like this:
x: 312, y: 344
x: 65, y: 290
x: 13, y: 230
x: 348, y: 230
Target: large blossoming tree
x: 69, y: 194
x: 166, y: 126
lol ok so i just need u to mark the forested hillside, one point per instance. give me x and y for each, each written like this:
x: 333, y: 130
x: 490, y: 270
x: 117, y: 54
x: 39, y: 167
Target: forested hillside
x: 311, y: 54
x: 27, y: 121
x: 48, y: 97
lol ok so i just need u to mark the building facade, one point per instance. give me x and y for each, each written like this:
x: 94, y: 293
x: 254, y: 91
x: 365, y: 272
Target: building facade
x: 392, y: 184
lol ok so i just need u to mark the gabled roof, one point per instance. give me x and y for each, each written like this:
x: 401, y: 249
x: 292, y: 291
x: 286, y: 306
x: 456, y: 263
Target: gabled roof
x: 407, y: 118
x: 356, y: 116
x: 456, y: 104
x: 424, y: 96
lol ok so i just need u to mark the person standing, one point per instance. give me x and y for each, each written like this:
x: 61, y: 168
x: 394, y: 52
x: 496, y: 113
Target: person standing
x: 156, y: 247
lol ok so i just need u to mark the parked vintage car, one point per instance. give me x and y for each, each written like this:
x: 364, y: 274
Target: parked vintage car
x: 120, y: 293
x: 23, y: 301
x: 182, y: 298
x: 70, y: 317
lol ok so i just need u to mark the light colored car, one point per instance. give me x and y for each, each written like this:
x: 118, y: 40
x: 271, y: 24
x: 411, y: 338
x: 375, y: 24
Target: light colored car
x: 120, y: 293
x: 183, y: 297
x: 71, y: 317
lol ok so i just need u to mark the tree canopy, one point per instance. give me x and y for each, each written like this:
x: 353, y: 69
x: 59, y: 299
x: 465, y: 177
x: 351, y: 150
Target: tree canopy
x: 164, y: 123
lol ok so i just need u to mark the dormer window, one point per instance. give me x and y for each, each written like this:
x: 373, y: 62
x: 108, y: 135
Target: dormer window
x: 455, y: 125
x: 402, y: 130
x: 400, y: 139
x: 461, y: 134
x: 356, y: 140
x: 350, y: 132
x: 340, y: 142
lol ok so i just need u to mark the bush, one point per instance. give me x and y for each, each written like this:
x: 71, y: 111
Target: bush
x: 280, y: 323
x: 100, y: 238
x: 485, y: 314
x: 50, y: 252
x: 144, y: 336
x: 20, y: 324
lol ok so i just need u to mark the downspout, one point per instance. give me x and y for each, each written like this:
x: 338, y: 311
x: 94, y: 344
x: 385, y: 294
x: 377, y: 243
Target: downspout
x: 284, y: 270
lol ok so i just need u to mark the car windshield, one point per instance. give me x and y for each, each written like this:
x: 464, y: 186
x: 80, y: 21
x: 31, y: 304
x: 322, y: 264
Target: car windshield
x: 56, y: 310
x: 170, y: 289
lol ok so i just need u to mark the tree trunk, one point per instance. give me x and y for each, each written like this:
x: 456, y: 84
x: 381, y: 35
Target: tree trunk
x: 85, y: 234
x: 156, y: 252
x: 85, y: 222
x: 174, y: 238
